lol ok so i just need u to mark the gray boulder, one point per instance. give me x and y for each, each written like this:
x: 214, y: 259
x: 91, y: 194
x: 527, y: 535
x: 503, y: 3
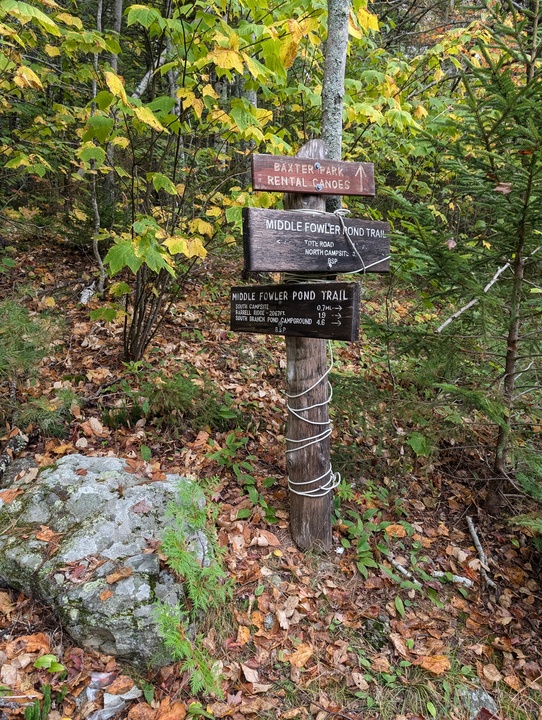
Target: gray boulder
x: 82, y: 537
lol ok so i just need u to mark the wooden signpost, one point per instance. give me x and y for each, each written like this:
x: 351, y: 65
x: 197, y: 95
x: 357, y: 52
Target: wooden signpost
x: 307, y: 240
x: 312, y: 176
x: 285, y: 241
x: 317, y: 310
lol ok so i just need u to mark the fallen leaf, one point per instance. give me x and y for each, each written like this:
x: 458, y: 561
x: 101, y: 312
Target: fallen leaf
x: 380, y: 664
x: 121, y: 685
x: 39, y: 642
x: 201, y: 439
x: 260, y: 687
x: 220, y: 709
x: 301, y: 655
x: 141, y: 711
x: 399, y: 644
x: 513, y: 682
x: 491, y: 673
x: 105, y: 595
x: 243, y: 634
x: 397, y: 531
x: 142, y: 507
x: 435, y: 664
x: 272, y: 539
x: 176, y: 711
x: 119, y: 574
x: 8, y: 496
x: 359, y: 681
x: 250, y: 674
x: 45, y: 533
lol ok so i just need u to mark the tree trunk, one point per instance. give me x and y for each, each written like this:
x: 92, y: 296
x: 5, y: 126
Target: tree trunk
x: 309, y: 468
x: 333, y: 84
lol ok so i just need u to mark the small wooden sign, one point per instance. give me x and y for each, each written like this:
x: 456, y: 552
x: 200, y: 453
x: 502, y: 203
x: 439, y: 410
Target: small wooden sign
x: 317, y: 310
x: 312, y: 177
x: 284, y: 241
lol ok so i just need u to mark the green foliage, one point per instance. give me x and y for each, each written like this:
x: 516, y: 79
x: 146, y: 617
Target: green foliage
x: 182, y: 401
x: 48, y: 414
x: 40, y: 711
x: 50, y: 663
x: 232, y: 457
x: 24, y: 340
x: 198, y: 563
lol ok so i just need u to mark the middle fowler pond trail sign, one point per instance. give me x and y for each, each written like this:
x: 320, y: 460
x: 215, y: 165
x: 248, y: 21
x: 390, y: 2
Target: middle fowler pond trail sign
x: 283, y: 241
x: 314, y: 310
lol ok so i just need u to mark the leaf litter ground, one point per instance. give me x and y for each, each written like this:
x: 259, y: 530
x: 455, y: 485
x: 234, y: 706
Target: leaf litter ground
x: 308, y: 635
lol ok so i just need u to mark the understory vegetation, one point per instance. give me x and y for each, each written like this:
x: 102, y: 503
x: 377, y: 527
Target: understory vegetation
x: 126, y: 134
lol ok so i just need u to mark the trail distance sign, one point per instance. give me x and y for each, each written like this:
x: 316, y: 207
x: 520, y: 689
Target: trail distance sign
x: 284, y: 241
x: 317, y: 310
x: 312, y: 177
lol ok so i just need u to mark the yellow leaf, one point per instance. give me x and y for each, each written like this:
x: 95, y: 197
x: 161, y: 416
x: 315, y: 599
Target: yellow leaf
x: 49, y: 302
x: 209, y: 90
x: 180, y: 188
x: 486, y: 244
x: 120, y: 141
x: 288, y: 52
x: 68, y: 19
x: 190, y: 100
x: 116, y: 86
x: 26, y: 77
x: 176, y: 245
x: 201, y: 226
x: 263, y: 116
x: 367, y: 20
x: 52, y: 50
x: 353, y: 29
x: 214, y: 211
x: 149, y: 118
x: 254, y: 69
x: 196, y: 248
x: 420, y: 112
x: 227, y: 59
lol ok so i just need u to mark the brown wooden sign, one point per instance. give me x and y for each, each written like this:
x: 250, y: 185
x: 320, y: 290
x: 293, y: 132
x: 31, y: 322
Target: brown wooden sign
x: 312, y: 177
x: 284, y: 241
x: 316, y: 310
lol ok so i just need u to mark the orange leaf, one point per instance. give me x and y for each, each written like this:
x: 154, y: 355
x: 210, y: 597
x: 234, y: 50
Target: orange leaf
x: 243, y: 634
x: 121, y: 685
x: 105, y: 595
x: 435, y: 664
x: 8, y: 496
x: 513, y: 682
x: 177, y: 711
x: 300, y: 656
x: 397, y: 531
x: 142, y: 711
x: 45, y: 533
x: 119, y: 574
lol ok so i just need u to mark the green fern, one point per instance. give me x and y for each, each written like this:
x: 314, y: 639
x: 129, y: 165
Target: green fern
x: 205, y: 581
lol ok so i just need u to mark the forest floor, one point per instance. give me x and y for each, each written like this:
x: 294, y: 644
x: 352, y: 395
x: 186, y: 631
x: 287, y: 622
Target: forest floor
x: 308, y: 635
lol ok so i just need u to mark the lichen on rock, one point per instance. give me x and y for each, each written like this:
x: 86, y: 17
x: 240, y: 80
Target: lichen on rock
x: 82, y: 538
